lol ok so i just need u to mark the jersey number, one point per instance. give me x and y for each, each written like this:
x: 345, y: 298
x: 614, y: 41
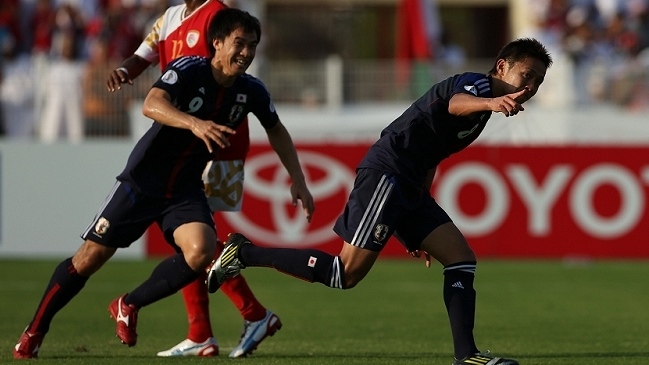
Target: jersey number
x: 177, y: 49
x: 195, y: 104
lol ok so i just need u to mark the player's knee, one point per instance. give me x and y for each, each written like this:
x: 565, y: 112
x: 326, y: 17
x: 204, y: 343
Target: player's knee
x: 199, y: 256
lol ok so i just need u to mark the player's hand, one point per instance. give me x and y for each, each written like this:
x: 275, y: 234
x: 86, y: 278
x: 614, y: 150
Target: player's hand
x: 299, y: 191
x: 116, y: 78
x: 211, y: 132
x: 511, y: 104
x: 418, y: 253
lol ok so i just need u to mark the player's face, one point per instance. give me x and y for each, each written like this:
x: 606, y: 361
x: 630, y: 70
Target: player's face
x: 526, y: 74
x: 236, y: 52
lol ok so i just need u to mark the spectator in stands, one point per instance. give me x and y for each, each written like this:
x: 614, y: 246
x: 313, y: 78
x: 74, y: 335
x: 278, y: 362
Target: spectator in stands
x: 104, y: 115
x: 117, y: 26
x: 62, y: 115
x: 16, y: 91
x: 549, y: 17
x: 9, y: 20
x: 41, y: 24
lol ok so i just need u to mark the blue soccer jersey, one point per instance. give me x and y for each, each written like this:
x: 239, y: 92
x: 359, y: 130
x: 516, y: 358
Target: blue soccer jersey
x: 167, y: 161
x: 426, y: 133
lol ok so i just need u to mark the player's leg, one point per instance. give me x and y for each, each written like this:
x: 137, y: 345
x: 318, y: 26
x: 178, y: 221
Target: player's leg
x: 307, y: 264
x: 70, y: 275
x: 447, y: 244
x: 200, y: 340
x: 197, y: 243
x: 223, y: 180
x: 67, y: 280
x: 189, y: 225
x: 258, y: 322
x: 365, y: 225
x: 170, y: 275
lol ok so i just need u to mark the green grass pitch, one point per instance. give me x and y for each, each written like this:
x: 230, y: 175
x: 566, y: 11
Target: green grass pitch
x: 539, y: 312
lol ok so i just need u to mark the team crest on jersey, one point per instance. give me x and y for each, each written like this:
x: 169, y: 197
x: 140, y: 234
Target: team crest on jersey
x: 236, y: 112
x: 193, y: 36
x: 242, y: 98
x: 170, y: 77
x: 102, y: 226
x: 380, y: 232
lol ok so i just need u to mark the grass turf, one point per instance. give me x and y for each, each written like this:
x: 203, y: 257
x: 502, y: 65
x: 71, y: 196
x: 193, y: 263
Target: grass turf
x: 539, y: 312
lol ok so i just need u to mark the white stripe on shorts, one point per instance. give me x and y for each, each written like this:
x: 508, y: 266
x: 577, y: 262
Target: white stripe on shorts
x: 364, y: 230
x: 103, y: 206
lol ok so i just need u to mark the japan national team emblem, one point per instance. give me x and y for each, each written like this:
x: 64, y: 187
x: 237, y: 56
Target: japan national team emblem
x: 242, y: 98
x: 170, y: 77
x: 193, y: 36
x: 380, y: 232
x: 312, y: 261
x: 235, y: 113
x: 102, y: 226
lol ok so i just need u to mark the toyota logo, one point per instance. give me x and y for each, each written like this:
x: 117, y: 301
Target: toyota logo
x: 268, y: 215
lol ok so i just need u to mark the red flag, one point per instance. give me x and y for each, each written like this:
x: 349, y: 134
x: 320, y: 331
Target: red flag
x: 413, y: 38
x: 417, y: 30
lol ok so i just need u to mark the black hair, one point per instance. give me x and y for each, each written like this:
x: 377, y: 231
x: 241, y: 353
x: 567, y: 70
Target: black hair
x: 521, y: 49
x: 227, y: 21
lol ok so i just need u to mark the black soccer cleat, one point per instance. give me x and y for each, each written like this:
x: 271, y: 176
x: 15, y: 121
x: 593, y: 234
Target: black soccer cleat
x: 485, y: 359
x: 228, y: 263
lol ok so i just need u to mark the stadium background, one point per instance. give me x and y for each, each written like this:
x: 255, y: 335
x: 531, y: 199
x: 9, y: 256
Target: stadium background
x: 565, y: 179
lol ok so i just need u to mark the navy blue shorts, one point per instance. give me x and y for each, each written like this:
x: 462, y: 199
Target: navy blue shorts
x: 126, y: 215
x: 381, y: 205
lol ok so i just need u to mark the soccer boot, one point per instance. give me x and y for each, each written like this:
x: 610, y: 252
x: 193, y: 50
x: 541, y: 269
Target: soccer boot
x: 228, y: 263
x: 255, y: 332
x: 28, y: 345
x: 485, y: 359
x: 188, y: 347
x: 125, y: 317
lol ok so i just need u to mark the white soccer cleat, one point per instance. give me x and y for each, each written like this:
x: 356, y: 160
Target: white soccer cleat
x: 254, y: 333
x: 188, y: 347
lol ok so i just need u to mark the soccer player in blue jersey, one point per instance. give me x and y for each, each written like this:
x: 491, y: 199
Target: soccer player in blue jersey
x: 196, y: 104
x: 391, y: 194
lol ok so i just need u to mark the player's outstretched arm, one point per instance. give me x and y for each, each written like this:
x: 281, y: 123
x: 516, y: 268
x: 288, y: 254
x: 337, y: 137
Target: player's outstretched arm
x: 466, y: 104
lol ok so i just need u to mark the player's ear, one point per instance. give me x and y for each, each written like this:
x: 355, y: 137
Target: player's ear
x: 501, y: 66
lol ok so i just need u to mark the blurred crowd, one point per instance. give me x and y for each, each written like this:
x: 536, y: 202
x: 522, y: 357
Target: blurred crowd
x: 55, y: 56
x: 606, y: 43
x: 52, y: 54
